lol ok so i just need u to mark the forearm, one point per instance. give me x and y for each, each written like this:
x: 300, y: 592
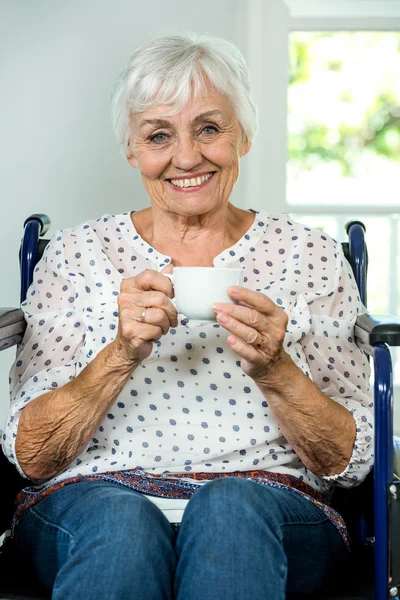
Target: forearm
x: 54, y: 428
x: 320, y: 431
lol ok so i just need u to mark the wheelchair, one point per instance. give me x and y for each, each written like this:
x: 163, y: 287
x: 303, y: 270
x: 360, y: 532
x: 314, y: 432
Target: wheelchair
x: 371, y: 510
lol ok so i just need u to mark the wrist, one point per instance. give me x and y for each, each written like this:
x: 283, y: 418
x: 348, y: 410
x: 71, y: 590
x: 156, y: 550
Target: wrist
x: 117, y: 358
x: 281, y: 377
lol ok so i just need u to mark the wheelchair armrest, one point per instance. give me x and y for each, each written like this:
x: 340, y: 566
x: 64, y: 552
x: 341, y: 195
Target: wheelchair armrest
x: 378, y: 329
x: 12, y: 327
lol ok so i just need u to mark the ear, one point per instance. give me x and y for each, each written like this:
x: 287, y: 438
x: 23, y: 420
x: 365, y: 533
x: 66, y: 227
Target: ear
x: 133, y: 161
x: 245, y: 147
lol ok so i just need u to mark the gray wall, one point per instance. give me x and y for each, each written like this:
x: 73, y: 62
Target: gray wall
x: 58, y: 64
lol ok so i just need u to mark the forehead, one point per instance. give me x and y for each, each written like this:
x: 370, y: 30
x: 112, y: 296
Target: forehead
x: 208, y: 101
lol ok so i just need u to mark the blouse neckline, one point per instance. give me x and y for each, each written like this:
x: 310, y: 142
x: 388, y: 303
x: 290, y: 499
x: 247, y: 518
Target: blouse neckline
x: 232, y: 256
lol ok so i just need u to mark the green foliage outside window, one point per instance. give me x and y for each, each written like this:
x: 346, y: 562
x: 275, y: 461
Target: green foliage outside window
x: 362, y: 70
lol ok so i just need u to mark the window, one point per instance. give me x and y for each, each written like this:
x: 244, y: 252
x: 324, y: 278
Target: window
x: 344, y: 145
x: 344, y: 119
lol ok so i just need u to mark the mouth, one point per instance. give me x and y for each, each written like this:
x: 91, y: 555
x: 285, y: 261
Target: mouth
x: 192, y: 184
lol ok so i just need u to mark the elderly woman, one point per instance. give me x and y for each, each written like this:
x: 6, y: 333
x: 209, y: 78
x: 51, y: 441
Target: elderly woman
x: 171, y: 458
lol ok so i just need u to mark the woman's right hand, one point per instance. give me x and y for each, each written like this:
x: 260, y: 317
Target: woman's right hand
x: 150, y: 291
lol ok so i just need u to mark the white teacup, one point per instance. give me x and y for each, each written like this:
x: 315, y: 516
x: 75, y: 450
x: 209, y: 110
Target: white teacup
x: 198, y: 288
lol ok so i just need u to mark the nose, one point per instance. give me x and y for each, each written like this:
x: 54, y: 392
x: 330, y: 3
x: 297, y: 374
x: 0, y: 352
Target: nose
x: 187, y: 153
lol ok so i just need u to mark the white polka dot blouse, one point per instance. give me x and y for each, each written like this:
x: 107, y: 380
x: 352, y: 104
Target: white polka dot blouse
x: 189, y: 407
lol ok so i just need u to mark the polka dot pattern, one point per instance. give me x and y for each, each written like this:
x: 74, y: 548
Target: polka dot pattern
x: 189, y: 407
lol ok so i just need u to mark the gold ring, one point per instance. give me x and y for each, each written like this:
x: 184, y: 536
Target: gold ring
x: 143, y: 316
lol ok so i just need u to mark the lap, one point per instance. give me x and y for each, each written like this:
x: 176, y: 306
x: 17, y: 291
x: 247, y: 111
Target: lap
x: 313, y: 549
x: 83, y: 516
x: 91, y: 498
x: 221, y: 514
x: 243, y: 501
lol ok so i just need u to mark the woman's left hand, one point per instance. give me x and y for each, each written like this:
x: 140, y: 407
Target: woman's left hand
x: 258, y: 327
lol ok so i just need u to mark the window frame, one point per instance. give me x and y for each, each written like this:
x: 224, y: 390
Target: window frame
x: 354, y: 13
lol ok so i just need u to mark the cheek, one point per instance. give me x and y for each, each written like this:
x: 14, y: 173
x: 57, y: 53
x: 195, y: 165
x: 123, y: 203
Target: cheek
x: 224, y: 154
x: 152, y: 164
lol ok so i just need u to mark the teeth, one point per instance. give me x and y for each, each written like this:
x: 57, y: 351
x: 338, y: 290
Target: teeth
x: 195, y: 181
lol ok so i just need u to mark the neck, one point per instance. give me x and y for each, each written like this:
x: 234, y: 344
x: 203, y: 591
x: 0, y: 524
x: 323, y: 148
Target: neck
x: 192, y: 240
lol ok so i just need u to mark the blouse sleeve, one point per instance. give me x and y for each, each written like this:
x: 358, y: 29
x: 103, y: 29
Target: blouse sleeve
x: 339, y: 368
x: 47, y: 357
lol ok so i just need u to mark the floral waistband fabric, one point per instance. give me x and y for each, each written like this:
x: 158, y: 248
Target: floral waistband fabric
x: 180, y: 486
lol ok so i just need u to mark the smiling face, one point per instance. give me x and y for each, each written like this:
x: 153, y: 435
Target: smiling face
x: 189, y: 162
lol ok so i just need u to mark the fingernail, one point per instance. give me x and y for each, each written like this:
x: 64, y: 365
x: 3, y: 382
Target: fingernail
x: 234, y: 289
x: 216, y: 307
x: 222, y: 318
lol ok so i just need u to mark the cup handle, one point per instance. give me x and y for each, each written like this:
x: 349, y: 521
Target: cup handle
x: 171, y: 278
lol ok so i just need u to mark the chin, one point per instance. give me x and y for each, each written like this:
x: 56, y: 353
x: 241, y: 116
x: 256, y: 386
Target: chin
x: 199, y: 206
x: 195, y: 210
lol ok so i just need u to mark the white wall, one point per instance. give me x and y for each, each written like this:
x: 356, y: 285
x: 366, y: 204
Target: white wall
x: 58, y: 63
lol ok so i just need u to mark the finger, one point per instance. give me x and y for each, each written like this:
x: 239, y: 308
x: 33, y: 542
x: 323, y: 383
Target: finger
x: 277, y: 315
x: 256, y: 299
x: 136, y: 332
x: 147, y: 299
x: 148, y: 280
x: 239, y: 329
x: 168, y: 269
x: 244, y: 350
x: 249, y: 316
x: 154, y: 316
x: 272, y: 333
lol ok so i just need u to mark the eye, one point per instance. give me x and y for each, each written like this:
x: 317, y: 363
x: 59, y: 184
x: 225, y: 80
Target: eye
x: 158, y: 138
x: 209, y: 129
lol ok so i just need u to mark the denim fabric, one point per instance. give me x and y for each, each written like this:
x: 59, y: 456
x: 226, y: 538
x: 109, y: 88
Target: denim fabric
x: 237, y: 541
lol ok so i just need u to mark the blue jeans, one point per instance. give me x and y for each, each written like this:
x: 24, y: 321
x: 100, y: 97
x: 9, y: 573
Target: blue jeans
x: 238, y: 541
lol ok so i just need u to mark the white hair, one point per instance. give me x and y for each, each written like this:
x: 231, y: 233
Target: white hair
x: 169, y: 68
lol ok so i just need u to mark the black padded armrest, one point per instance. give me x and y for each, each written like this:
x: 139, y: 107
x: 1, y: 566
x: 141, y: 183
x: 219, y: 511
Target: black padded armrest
x: 378, y: 329
x: 12, y: 327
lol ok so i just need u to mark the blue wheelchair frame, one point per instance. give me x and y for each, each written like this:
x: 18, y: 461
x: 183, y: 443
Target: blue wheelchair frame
x: 374, y: 334
x: 383, y: 398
